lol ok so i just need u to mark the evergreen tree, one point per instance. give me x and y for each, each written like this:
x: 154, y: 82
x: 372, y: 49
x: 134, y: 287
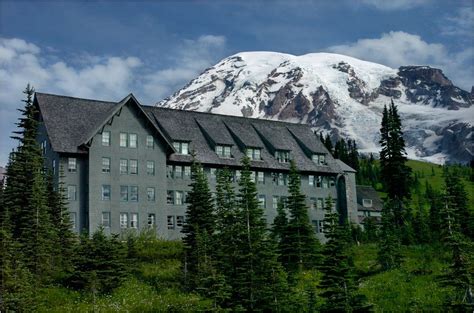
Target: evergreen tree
x: 353, y: 155
x: 260, y: 282
x: 200, y: 219
x: 328, y: 143
x: 457, y: 199
x: 301, y: 247
x: 338, y: 281
x: 389, y: 255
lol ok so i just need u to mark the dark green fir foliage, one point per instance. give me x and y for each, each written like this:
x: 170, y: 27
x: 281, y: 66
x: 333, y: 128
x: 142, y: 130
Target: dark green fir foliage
x: 340, y: 292
x: 301, y: 248
x: 200, y: 218
x: 395, y: 173
x: 279, y: 233
x: 389, y: 255
x: 260, y: 281
x: 459, y: 277
x: 435, y: 204
x: 101, y: 263
x: 456, y: 196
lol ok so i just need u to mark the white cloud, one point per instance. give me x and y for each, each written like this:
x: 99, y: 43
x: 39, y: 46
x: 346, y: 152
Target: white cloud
x: 460, y: 24
x: 399, y: 48
x: 88, y: 76
x: 392, y: 5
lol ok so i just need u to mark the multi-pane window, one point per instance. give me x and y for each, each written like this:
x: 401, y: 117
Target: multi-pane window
x: 73, y: 219
x: 151, y: 220
x: 367, y: 203
x: 134, y: 193
x: 325, y: 182
x: 170, y: 197
x: 318, y: 226
x: 54, y: 166
x: 282, y: 156
x: 123, y: 140
x: 150, y: 167
x: 72, y: 192
x: 150, y: 142
x: 311, y: 180
x: 72, y: 165
x: 253, y: 176
x: 181, y: 147
x: 320, y: 203
x: 212, y: 172
x: 105, y: 219
x: 178, y: 171
x: 105, y: 165
x: 106, y: 138
x: 261, y: 177
x: 332, y: 181
x: 123, y: 166
x: 106, y: 192
x: 223, y: 151
x: 123, y: 220
x: 170, y: 221
x: 133, y: 166
x: 187, y: 172
x: 132, y: 140
x: 318, y: 181
x: 262, y: 201
x: 180, y: 221
x: 134, y: 220
x: 254, y: 153
x: 150, y: 193
x: 319, y: 159
x: 178, y: 197
x: 280, y: 179
x: 123, y: 193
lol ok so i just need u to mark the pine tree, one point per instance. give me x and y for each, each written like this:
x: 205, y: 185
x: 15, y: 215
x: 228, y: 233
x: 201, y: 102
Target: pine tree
x: 457, y: 199
x: 200, y: 218
x: 260, y: 282
x: 328, y: 143
x: 301, y: 246
x: 338, y: 281
x: 389, y: 255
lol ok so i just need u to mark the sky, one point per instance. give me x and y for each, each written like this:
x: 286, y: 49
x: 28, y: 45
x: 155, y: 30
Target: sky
x: 107, y: 49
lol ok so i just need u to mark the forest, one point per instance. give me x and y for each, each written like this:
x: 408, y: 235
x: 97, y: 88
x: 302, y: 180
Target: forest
x: 419, y: 257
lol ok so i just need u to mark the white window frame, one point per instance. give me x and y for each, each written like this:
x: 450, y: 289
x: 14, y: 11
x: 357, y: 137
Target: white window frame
x: 187, y: 171
x: 132, y: 140
x: 261, y: 177
x: 367, y: 203
x: 72, y: 189
x: 133, y: 163
x: 123, y: 140
x: 178, y: 171
x: 105, y: 165
x: 134, y: 193
x: 170, y: 221
x: 151, y: 220
x: 150, y: 194
x: 105, y: 221
x: 73, y: 219
x: 180, y: 221
x: 178, y: 198
x: 104, y: 189
x: 123, y: 220
x: 106, y: 138
x: 150, y: 142
x: 282, y: 156
x: 134, y: 220
x: 150, y: 168
x: 123, y: 166
x: 311, y: 180
x: 262, y: 201
x: 72, y: 165
x: 123, y: 194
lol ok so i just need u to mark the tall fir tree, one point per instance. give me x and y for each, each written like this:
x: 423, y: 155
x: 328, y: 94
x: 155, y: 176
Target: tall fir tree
x: 328, y: 143
x: 388, y: 254
x: 338, y: 283
x: 301, y: 249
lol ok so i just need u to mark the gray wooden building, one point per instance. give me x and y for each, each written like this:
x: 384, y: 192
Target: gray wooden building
x: 127, y: 166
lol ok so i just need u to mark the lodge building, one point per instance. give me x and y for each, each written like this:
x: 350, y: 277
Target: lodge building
x: 127, y: 166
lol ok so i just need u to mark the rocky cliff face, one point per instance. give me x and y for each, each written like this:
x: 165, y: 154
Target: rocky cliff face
x: 339, y: 95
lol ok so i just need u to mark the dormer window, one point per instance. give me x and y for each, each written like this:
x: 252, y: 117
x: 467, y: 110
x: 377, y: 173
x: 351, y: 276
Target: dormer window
x: 319, y: 159
x: 223, y: 151
x: 254, y: 153
x: 282, y: 156
x: 367, y: 203
x: 181, y: 147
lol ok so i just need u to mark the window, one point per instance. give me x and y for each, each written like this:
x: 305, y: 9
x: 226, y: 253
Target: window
x: 105, y: 219
x: 275, y: 202
x: 170, y: 220
x: 178, y: 197
x: 106, y: 138
x: 72, y: 217
x: 134, y: 193
x: 280, y: 179
x: 320, y: 203
x: 282, y: 156
x: 311, y: 180
x: 367, y: 203
x: 150, y: 142
x: 318, y: 226
x: 181, y: 147
x: 325, y: 182
x: 150, y: 167
x: 134, y: 220
x: 319, y: 159
x: 312, y: 203
x: 105, y: 165
x: 72, y: 192
x: 106, y: 192
x: 318, y: 181
x: 151, y: 220
x: 178, y: 172
x: 123, y: 193
x: 123, y: 140
x: 132, y: 140
x: 261, y: 201
x: 170, y: 197
x: 54, y: 166
x: 212, y: 173
x: 332, y: 181
x: 169, y: 171
x: 150, y: 193
x: 123, y: 166
x: 253, y: 176
x: 133, y: 167
x: 180, y: 221
x: 187, y: 172
x: 223, y: 151
x: 123, y: 220
x: 237, y: 175
x: 72, y: 165
x: 254, y: 153
x: 261, y: 177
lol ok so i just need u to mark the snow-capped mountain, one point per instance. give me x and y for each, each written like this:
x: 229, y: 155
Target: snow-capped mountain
x: 340, y: 95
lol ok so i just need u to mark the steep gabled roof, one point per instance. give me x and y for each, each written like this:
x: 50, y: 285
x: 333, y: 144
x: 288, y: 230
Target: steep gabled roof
x: 368, y: 192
